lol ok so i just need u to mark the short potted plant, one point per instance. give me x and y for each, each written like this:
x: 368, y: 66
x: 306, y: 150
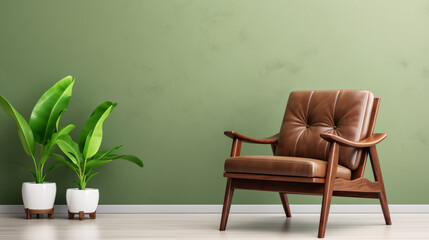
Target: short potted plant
x: 39, y: 196
x: 83, y: 157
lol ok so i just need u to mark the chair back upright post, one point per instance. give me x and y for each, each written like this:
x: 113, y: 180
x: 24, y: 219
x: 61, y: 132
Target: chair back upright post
x: 236, y: 147
x: 359, y: 172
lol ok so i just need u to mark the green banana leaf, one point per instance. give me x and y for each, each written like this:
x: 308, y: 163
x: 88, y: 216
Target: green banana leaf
x: 28, y: 168
x: 58, y: 121
x: 24, y: 131
x: 90, y: 165
x: 70, y: 148
x: 130, y: 158
x: 63, y: 160
x: 91, y: 176
x: 91, y: 134
x: 47, y: 150
x: 106, y: 158
x: 52, y: 168
x: 51, y: 105
x: 104, y: 153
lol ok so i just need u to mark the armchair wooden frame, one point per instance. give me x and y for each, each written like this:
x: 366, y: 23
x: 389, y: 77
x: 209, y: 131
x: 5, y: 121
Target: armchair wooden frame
x: 329, y: 186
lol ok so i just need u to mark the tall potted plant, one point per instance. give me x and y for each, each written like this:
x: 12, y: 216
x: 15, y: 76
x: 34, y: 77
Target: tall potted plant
x: 83, y: 157
x: 39, y: 196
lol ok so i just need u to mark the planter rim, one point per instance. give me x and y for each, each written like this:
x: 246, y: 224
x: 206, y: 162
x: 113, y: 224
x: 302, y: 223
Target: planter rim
x: 90, y: 189
x: 40, y: 183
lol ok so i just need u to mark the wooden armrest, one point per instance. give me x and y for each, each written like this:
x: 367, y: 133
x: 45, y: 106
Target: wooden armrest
x: 367, y: 142
x: 268, y: 140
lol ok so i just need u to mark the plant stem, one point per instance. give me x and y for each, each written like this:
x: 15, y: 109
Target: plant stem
x: 82, y: 182
x: 38, y: 177
x: 41, y: 166
x: 83, y: 179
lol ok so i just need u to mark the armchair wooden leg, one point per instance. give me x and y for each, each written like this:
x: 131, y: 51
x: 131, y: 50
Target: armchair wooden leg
x: 326, y: 204
x: 285, y: 202
x: 226, y: 204
x: 331, y: 172
x: 378, y: 177
x: 385, y: 208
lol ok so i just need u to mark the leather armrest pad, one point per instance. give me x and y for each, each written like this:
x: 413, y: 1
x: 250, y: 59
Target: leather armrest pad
x: 268, y: 140
x: 367, y: 142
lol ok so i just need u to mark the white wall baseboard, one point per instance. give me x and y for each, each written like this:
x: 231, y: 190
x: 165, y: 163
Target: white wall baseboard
x: 275, y: 208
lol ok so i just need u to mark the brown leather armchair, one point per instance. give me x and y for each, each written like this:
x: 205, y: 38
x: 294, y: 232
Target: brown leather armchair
x: 321, y: 149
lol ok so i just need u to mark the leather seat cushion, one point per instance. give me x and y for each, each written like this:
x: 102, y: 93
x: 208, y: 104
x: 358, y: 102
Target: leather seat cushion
x: 283, y: 166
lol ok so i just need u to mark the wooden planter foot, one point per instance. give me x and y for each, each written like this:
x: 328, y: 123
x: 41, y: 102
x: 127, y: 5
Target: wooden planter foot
x: 29, y: 212
x: 82, y: 215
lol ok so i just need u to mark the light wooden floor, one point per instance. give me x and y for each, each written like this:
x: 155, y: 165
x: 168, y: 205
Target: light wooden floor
x: 205, y: 226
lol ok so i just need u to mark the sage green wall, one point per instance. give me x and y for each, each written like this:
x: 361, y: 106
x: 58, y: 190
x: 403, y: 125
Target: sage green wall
x: 185, y: 71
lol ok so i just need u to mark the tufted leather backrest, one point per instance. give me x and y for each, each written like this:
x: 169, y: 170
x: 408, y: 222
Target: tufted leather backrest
x: 310, y: 113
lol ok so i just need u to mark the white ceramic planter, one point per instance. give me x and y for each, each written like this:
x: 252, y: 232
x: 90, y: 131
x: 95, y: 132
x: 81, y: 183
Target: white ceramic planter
x: 38, y: 196
x: 82, y: 200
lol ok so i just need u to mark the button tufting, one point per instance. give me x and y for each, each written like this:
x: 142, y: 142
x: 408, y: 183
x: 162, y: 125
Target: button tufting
x: 308, y: 126
x: 335, y: 127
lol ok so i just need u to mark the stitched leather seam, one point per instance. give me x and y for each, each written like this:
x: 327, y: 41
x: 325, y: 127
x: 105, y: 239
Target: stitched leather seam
x: 333, y: 118
x: 308, y: 105
x: 335, y: 105
x: 306, y: 115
